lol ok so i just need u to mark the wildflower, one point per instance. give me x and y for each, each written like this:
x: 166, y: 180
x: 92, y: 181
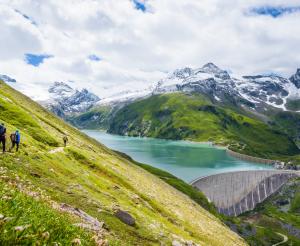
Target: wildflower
x: 76, y: 241
x: 45, y: 235
x: 21, y: 228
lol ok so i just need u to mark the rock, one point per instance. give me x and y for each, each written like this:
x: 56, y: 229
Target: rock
x: 7, y: 219
x: 282, y: 202
x: 90, y: 226
x: 36, y: 175
x: 90, y: 222
x: 176, y: 243
x: 116, y: 187
x: 125, y: 217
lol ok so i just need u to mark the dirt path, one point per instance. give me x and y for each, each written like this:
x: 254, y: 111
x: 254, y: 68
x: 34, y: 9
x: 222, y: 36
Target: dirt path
x: 56, y: 150
x: 285, y: 239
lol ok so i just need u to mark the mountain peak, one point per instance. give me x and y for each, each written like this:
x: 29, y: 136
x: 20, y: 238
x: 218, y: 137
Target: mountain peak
x: 295, y: 79
x: 183, y: 73
x: 60, y: 90
x: 66, y: 100
x: 211, y: 65
x: 7, y: 79
x: 211, y: 68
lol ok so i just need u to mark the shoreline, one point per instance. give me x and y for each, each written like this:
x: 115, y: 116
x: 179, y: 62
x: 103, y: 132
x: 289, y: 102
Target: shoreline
x: 250, y: 158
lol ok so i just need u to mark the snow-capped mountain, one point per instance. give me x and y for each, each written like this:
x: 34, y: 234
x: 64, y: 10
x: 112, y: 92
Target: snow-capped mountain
x: 7, y: 79
x: 295, y: 79
x: 256, y: 92
x: 126, y: 96
x: 60, y: 90
x: 259, y: 92
x: 65, y: 100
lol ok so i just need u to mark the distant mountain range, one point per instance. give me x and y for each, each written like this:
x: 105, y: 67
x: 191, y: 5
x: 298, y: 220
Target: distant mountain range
x: 250, y: 113
x: 64, y: 100
x: 258, y: 92
x: 7, y: 79
x: 257, y: 115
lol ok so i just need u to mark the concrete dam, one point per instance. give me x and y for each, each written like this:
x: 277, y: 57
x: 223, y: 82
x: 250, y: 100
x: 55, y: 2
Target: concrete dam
x: 236, y: 192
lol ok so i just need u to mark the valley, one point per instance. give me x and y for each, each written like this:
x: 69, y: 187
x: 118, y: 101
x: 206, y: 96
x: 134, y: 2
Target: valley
x: 88, y: 176
x: 252, y: 115
x: 185, y: 160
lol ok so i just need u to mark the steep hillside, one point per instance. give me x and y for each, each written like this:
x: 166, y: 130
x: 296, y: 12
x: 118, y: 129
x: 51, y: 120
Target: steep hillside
x: 195, y: 117
x: 92, y: 178
x: 96, y: 118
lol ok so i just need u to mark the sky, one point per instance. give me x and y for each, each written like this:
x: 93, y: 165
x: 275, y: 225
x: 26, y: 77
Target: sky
x: 108, y: 46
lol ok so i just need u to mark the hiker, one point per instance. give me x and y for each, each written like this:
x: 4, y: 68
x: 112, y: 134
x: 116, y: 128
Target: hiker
x: 65, y: 138
x: 3, y: 136
x: 15, y: 139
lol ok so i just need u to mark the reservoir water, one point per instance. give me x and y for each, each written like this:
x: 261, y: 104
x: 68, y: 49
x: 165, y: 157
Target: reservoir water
x: 185, y: 160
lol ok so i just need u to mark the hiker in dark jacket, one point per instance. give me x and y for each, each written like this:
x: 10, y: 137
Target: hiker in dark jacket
x: 15, y: 139
x: 3, y: 136
x: 65, y: 139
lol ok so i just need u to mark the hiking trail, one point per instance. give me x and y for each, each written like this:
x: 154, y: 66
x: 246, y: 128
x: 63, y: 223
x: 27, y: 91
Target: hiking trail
x: 56, y: 150
x: 285, y: 239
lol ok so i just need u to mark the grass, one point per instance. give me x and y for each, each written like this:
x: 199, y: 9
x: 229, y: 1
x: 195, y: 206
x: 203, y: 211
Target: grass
x: 194, y: 117
x: 95, y: 179
x: 27, y: 221
x: 178, y: 184
x: 293, y: 105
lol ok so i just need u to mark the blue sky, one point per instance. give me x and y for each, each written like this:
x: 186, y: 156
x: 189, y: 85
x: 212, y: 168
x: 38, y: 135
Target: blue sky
x: 35, y: 59
x: 275, y: 11
x: 94, y: 57
x: 110, y: 46
x: 139, y: 5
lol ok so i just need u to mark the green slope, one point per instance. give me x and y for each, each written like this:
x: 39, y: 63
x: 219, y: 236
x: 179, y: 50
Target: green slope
x: 194, y: 117
x: 95, y: 118
x: 293, y: 105
x: 288, y: 122
x: 95, y: 179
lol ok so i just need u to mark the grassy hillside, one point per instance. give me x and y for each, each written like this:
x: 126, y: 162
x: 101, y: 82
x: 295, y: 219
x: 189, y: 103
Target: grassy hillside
x: 289, y: 123
x: 194, y: 117
x: 95, y: 118
x: 93, y: 178
x: 293, y: 105
x: 178, y: 184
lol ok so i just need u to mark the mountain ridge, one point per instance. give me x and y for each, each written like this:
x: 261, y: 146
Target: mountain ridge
x: 65, y: 100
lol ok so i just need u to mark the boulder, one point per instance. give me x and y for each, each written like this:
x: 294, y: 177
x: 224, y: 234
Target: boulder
x: 125, y: 217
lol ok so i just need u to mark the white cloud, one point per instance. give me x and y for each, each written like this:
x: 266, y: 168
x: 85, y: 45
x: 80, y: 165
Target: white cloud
x: 137, y: 47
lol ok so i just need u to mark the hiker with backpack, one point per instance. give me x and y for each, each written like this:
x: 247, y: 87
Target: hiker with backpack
x: 15, y: 139
x: 3, y: 136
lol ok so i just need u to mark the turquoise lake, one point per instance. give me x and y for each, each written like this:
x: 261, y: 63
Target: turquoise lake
x: 185, y: 160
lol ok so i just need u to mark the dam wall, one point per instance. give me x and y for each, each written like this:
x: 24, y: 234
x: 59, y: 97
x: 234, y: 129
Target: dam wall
x: 250, y: 158
x: 237, y: 192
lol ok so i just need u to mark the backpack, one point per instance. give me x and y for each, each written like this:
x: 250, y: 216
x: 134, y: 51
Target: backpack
x: 2, y: 130
x: 17, y: 137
